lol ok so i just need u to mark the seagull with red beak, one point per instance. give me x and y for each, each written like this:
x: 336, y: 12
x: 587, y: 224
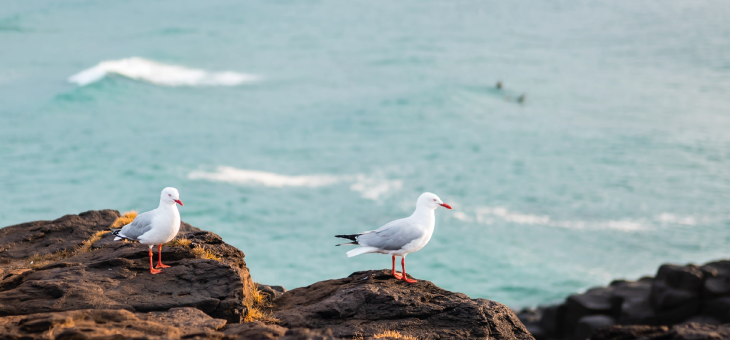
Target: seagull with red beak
x: 155, y: 227
x: 400, y: 237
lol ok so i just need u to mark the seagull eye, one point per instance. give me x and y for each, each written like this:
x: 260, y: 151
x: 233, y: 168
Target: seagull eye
x: 171, y: 195
x: 434, y: 200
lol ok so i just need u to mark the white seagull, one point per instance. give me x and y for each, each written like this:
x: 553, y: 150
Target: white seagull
x: 155, y: 227
x: 400, y: 237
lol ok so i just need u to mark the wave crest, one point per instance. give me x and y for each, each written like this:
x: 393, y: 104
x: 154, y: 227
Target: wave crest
x: 368, y: 187
x: 159, y: 74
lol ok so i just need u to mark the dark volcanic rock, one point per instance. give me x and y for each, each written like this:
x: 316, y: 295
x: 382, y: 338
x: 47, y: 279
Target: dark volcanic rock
x: 112, y: 324
x: 718, y: 279
x: 630, y: 302
x: 115, y: 275
x: 261, y: 331
x: 588, y: 324
x: 692, y: 331
x: 677, y: 295
x: 44, y: 237
x: 676, y: 287
x: 273, y: 292
x: 370, y: 302
x: 594, y: 301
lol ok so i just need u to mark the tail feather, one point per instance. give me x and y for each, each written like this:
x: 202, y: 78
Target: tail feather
x: 352, y: 237
x: 118, y: 237
x: 361, y: 250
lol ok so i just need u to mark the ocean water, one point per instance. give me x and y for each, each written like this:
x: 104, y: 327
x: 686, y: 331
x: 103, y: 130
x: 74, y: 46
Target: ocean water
x: 283, y: 123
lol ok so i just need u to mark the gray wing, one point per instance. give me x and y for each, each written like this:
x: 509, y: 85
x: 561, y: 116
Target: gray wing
x: 392, y: 236
x: 141, y: 224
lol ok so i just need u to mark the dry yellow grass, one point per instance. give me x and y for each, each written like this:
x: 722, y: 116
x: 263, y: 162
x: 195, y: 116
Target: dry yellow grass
x: 394, y: 335
x: 258, y: 307
x: 203, y: 253
x: 178, y: 242
x: 125, y: 219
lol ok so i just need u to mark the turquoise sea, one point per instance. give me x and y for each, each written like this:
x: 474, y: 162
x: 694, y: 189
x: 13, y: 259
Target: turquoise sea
x: 283, y: 123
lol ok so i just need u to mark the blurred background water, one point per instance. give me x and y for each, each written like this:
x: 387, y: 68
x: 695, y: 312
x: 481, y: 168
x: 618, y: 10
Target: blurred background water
x: 617, y: 161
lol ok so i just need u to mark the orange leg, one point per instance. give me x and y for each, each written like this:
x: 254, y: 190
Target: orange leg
x: 405, y: 278
x: 153, y: 270
x: 159, y: 258
x: 397, y: 276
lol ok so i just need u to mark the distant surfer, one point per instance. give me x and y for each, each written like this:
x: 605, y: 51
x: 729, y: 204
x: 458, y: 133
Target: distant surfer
x: 499, y: 85
x: 521, y: 98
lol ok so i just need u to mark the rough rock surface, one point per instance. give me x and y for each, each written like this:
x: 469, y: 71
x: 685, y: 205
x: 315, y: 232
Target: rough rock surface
x: 175, y: 323
x: 370, y: 302
x: 691, y: 331
x: 83, y: 285
x: 261, y: 331
x: 18, y: 242
x: 678, y: 294
x: 115, y: 275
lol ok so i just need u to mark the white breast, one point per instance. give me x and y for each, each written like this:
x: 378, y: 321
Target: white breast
x: 165, y: 226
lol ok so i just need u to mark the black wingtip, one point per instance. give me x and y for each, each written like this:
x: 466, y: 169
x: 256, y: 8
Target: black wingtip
x: 352, y: 237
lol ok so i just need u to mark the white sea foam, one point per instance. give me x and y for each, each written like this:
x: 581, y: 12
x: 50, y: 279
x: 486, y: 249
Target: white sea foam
x: 368, y: 187
x: 373, y: 188
x: 269, y: 179
x: 159, y: 74
x: 490, y: 215
x: 667, y: 218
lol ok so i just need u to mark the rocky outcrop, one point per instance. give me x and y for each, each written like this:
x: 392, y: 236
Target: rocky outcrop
x: 115, y: 275
x: 68, y: 279
x: 371, y: 302
x: 691, y: 331
x: 176, y: 323
x: 678, y: 294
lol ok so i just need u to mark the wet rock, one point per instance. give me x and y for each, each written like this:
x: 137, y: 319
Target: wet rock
x: 367, y: 303
x: 592, y: 302
x: 691, y: 331
x: 531, y: 317
x: 718, y: 308
x: 718, y: 278
x: 677, y: 295
x: 631, y: 302
x: 551, y: 321
x: 676, y: 286
x: 588, y: 324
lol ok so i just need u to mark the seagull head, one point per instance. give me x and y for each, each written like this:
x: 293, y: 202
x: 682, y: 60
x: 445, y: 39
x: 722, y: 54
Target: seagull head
x: 170, y: 195
x: 431, y: 201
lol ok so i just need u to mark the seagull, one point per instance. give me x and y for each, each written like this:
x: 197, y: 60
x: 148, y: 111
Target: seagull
x: 155, y: 227
x: 400, y: 237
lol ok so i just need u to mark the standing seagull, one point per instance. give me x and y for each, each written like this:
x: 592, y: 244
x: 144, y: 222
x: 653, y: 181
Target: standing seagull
x: 400, y: 237
x: 155, y: 227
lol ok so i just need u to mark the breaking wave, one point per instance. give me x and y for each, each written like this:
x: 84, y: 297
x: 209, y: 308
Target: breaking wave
x: 368, y: 187
x: 159, y: 74
x: 490, y: 215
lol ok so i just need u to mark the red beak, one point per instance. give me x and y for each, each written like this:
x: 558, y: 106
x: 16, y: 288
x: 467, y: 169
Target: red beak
x: 180, y: 202
x: 445, y: 205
